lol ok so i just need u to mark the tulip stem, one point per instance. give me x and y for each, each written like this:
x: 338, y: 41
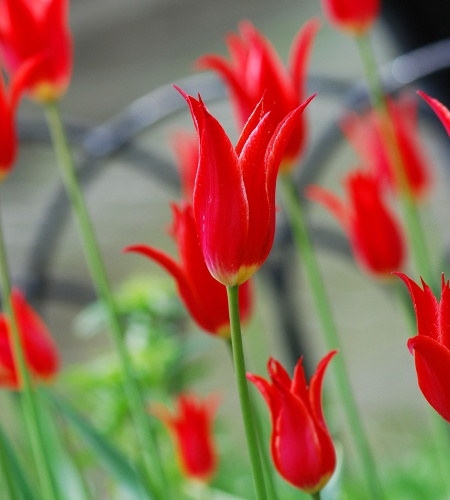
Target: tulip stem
x: 265, y: 456
x: 308, y: 259
x: 244, y: 397
x: 416, y: 233
x: 28, y: 397
x: 316, y: 496
x: 149, y: 454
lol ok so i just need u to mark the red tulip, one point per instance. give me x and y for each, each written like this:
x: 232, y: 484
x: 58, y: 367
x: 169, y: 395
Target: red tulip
x: 255, y: 69
x: 374, y: 234
x: 41, y: 355
x: 431, y: 347
x: 352, y: 16
x: 441, y: 111
x: 191, y: 428
x: 367, y: 136
x: 301, y: 445
x: 234, y: 194
x: 37, y: 28
x: 204, y: 297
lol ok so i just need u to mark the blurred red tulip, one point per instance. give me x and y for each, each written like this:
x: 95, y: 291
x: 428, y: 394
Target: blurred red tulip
x: 234, y: 194
x: 204, y: 297
x: 367, y: 136
x: 37, y: 29
x: 8, y: 139
x: 301, y: 445
x: 191, y: 428
x: 41, y: 355
x: 374, y: 234
x: 185, y: 146
x: 431, y: 347
x: 255, y: 69
x: 355, y: 17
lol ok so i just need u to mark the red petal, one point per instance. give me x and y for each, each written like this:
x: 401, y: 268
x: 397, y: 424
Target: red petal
x: 220, y: 202
x: 425, y: 306
x: 315, y: 388
x: 331, y: 202
x: 184, y: 287
x: 441, y: 111
x: 296, y: 446
x: 432, y: 365
x: 300, y: 52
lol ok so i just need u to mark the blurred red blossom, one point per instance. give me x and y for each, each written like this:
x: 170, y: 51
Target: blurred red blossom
x: 355, y: 17
x: 374, y: 233
x: 367, y: 134
x: 234, y: 193
x: 8, y: 138
x: 185, y: 145
x: 37, y: 30
x: 431, y: 347
x: 255, y: 69
x: 191, y: 428
x: 301, y: 445
x: 204, y: 297
x: 41, y: 355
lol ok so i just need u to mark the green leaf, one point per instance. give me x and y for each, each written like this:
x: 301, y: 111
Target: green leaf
x: 113, y: 460
x: 19, y: 482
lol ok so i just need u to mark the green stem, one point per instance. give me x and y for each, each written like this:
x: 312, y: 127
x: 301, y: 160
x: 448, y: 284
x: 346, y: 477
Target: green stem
x: 241, y: 379
x: 316, y: 496
x: 28, y: 397
x: 416, y: 233
x: 149, y: 453
x: 269, y: 478
x: 321, y: 302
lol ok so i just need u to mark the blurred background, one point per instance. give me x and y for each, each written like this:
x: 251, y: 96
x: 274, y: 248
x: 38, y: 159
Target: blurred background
x: 126, y: 50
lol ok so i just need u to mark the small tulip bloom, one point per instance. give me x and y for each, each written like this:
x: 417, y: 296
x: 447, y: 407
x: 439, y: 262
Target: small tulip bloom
x: 367, y: 135
x: 354, y: 17
x: 374, y: 233
x: 431, y: 347
x: 234, y: 193
x: 41, y: 355
x: 301, y: 445
x: 441, y: 111
x: 191, y: 428
x: 37, y: 29
x: 204, y: 297
x: 255, y: 69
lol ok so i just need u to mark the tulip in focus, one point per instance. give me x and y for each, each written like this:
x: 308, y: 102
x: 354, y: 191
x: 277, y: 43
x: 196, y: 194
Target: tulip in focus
x: 191, y: 428
x: 37, y: 30
x: 234, y: 193
x: 41, y: 355
x: 374, y: 233
x: 431, y: 347
x: 204, y: 297
x: 367, y: 136
x: 255, y: 69
x: 355, y: 17
x: 441, y: 111
x: 301, y: 445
